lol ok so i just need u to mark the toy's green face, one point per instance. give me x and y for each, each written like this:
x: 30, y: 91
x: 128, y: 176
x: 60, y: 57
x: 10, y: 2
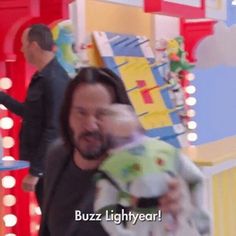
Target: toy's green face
x: 141, y: 160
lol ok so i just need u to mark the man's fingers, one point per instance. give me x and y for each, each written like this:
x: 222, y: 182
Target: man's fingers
x: 29, y: 182
x: 171, y: 201
x: 28, y: 187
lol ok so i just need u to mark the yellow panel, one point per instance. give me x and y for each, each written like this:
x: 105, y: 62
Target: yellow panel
x: 216, y: 209
x: 101, y: 16
x: 213, y: 153
x: 224, y: 207
x: 138, y: 69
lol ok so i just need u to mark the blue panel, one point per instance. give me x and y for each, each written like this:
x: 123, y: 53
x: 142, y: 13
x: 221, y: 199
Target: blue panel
x: 166, y: 134
x: 13, y: 165
x: 123, y: 46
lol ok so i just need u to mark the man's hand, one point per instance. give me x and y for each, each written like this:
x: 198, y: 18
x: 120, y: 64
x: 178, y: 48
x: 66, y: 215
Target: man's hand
x: 171, y: 201
x: 29, y: 182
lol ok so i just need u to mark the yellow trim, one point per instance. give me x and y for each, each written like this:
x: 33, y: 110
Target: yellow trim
x: 213, y: 153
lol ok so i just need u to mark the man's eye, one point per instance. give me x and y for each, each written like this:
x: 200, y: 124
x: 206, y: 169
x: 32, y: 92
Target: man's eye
x: 80, y: 113
x: 103, y: 113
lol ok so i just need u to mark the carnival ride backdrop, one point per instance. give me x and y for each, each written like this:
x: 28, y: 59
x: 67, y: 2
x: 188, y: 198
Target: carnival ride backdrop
x: 132, y: 58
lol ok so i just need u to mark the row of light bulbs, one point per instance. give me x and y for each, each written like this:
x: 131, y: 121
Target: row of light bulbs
x: 8, y: 182
x: 190, y: 102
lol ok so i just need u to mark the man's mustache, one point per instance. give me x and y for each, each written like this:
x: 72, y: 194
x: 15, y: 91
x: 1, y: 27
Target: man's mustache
x: 95, y: 135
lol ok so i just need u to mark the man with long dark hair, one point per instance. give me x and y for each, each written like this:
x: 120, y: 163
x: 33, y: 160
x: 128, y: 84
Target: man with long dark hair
x: 40, y: 110
x: 72, y: 161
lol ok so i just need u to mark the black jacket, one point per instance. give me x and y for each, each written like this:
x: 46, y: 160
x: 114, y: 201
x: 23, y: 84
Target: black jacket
x: 57, y: 159
x: 40, y: 113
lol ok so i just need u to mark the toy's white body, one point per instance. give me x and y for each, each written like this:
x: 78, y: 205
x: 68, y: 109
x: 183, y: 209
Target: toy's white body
x: 136, y: 174
x: 148, y: 186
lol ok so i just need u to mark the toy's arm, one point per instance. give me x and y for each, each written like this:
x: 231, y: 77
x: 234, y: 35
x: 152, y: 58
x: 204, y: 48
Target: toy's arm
x: 194, y: 178
x: 106, y: 200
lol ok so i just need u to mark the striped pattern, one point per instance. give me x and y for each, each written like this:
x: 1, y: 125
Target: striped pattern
x: 224, y: 206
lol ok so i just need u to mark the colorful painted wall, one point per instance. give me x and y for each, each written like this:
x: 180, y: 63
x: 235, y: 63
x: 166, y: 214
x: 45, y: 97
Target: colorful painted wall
x: 216, y: 86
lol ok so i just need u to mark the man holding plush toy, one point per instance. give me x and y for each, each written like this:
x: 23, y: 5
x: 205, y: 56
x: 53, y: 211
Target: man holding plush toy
x: 72, y: 163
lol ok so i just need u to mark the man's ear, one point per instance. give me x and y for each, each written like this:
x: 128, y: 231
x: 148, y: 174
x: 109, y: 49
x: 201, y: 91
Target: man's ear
x: 34, y: 45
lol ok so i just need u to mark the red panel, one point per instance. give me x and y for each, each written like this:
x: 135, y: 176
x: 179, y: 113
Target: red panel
x: 193, y: 32
x: 13, y: 14
x: 174, y: 9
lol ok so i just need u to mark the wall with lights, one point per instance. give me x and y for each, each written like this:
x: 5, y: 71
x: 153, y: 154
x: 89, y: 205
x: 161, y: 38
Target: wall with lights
x: 19, y: 214
x: 215, y: 108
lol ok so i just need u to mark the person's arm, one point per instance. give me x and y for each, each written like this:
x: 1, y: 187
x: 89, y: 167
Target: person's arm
x: 193, y: 176
x: 106, y: 199
x: 52, y: 98
x: 12, y: 104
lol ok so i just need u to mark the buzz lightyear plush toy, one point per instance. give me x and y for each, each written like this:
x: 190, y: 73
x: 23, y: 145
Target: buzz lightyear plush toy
x: 136, y: 174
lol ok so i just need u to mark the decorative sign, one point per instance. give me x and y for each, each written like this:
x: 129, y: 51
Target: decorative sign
x: 213, y: 9
x: 138, y: 3
x: 179, y: 8
x: 131, y: 57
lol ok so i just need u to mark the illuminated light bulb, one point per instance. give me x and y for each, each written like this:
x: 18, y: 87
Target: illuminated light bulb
x: 191, y: 113
x: 192, y: 137
x: 192, y: 125
x: 8, y: 142
x: 10, y: 220
x: 191, y: 101
x: 190, y: 76
x: 190, y: 89
x: 5, y: 83
x: 8, y: 158
x: 6, y: 123
x: 3, y: 107
x: 32, y: 209
x: 9, y: 200
x: 34, y: 227
x: 234, y: 2
x: 8, y: 181
x: 10, y: 234
x: 37, y: 211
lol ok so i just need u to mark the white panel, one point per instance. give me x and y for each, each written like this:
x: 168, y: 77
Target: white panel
x: 77, y: 15
x: 103, y: 44
x: 146, y: 49
x: 166, y: 27
x: 192, y: 3
x: 137, y: 3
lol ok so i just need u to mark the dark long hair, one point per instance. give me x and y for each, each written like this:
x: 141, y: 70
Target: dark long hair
x: 90, y: 75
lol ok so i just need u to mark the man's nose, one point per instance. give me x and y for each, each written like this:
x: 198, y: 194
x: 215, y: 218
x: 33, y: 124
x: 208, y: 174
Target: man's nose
x: 91, y: 123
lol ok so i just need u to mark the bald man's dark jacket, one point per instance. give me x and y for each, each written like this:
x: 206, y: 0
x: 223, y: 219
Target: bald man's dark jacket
x: 40, y: 113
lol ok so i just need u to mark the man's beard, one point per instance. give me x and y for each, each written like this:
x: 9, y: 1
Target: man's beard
x: 92, y: 154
